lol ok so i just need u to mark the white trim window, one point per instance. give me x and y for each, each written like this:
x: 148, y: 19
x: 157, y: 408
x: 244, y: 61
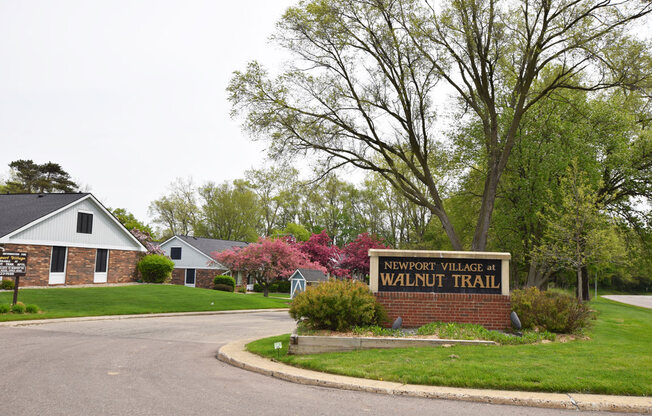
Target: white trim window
x: 58, y: 260
x: 84, y: 222
x: 175, y: 253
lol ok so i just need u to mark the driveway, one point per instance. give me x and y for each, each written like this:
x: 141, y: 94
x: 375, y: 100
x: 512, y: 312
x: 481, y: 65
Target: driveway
x: 636, y: 300
x: 167, y: 366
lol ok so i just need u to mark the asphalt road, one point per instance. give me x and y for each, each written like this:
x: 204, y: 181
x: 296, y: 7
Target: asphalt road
x: 167, y: 366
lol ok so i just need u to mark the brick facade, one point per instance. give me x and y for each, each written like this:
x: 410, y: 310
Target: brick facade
x: 38, y: 263
x: 122, y: 266
x: 203, y: 277
x: 80, y: 265
x: 416, y: 309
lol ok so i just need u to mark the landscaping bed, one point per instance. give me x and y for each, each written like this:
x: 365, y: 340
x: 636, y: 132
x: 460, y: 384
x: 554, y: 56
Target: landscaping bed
x: 135, y: 299
x: 612, y: 358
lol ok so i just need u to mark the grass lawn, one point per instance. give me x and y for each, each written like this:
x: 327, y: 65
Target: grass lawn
x: 616, y: 360
x: 124, y: 300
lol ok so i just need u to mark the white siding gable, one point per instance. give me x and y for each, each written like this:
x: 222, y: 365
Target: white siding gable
x: 191, y: 258
x: 60, y: 229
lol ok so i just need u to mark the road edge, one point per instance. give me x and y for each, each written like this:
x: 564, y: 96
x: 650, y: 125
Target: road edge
x: 27, y: 322
x: 234, y: 353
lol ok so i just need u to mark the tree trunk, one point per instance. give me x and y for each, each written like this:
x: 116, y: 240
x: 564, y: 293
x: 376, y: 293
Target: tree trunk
x: 586, y: 290
x: 537, y: 276
x: 265, y: 289
x: 578, y: 290
x: 484, y: 216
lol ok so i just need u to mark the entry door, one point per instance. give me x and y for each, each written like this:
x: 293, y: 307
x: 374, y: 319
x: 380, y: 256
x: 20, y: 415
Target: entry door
x: 101, y: 265
x: 58, y: 265
x: 297, y: 286
x: 190, y: 277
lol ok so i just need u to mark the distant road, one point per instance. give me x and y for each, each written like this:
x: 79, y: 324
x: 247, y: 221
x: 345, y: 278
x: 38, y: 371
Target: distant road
x: 644, y: 301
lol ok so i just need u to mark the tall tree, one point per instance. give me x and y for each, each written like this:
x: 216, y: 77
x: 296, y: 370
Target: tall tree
x: 229, y: 212
x: 30, y: 177
x: 362, y: 83
x: 129, y: 220
x: 278, y: 196
x: 177, y: 212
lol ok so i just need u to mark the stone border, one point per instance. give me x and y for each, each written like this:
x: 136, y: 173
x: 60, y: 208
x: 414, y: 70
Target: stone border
x: 314, y: 344
x: 234, y: 353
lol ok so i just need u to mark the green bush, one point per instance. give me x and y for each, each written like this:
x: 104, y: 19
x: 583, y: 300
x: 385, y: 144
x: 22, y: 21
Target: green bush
x: 223, y: 288
x: 258, y: 287
x: 32, y: 309
x: 338, y: 305
x: 5, y: 308
x: 19, y: 307
x: 155, y: 268
x: 223, y: 280
x: 242, y: 289
x: 280, y: 286
x: 7, y: 285
x: 552, y: 311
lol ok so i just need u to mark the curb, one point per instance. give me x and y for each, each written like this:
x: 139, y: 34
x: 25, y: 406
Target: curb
x: 28, y: 322
x: 234, y: 353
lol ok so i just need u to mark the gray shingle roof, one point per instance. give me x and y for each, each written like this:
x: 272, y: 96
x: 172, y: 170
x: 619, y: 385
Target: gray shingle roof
x: 312, y: 275
x: 18, y: 210
x: 211, y: 245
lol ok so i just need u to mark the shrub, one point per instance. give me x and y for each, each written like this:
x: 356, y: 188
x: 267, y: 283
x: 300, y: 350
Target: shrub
x: 282, y: 286
x: 337, y: 305
x: 7, y: 285
x: 4, y: 308
x: 32, y: 309
x: 19, y: 307
x: 155, y: 268
x: 223, y: 288
x: 258, y: 287
x: 552, y: 311
x: 223, y: 280
x: 242, y: 289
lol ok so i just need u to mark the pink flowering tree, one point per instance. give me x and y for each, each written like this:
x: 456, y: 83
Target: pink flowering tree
x: 266, y: 260
x: 355, y: 255
x: 320, y: 249
x: 145, y: 239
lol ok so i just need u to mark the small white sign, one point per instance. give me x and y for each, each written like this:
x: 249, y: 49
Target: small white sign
x: 278, y: 345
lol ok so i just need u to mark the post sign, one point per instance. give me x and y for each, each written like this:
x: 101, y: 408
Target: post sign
x: 13, y: 264
x: 439, y: 275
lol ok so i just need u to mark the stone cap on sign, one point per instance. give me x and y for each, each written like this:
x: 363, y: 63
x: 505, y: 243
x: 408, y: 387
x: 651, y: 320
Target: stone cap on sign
x: 376, y: 252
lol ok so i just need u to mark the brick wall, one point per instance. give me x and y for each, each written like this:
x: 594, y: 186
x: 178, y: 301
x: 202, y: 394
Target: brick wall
x: 416, y: 309
x: 203, y: 277
x: 80, y: 266
x: 38, y: 263
x: 122, y: 266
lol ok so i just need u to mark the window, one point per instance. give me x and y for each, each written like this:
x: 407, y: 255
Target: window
x: 175, y: 253
x: 84, y: 222
x: 58, y: 263
x: 100, y: 260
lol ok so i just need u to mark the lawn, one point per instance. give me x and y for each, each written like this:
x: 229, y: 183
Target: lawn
x: 124, y: 300
x: 617, y: 359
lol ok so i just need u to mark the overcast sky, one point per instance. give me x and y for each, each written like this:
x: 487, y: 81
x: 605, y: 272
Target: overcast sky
x: 129, y: 95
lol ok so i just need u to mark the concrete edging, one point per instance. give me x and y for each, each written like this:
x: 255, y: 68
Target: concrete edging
x: 26, y: 322
x: 314, y: 344
x: 234, y: 353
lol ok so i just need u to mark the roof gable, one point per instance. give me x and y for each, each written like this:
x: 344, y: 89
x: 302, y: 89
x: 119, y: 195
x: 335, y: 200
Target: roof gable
x: 312, y: 275
x: 19, y: 210
x: 58, y: 226
x: 211, y: 245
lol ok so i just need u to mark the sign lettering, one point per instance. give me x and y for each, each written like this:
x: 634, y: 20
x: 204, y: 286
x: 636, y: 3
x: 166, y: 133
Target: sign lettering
x: 429, y: 274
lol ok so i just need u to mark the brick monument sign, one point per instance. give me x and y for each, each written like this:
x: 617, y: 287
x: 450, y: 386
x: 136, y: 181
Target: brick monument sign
x: 448, y: 286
